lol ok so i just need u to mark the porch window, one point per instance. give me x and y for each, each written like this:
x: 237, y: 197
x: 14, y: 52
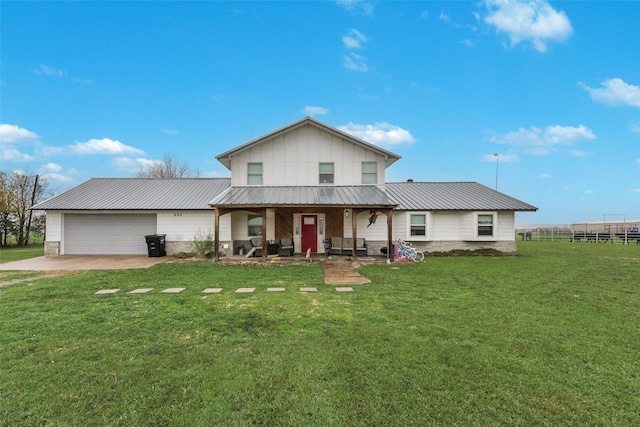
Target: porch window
x: 254, y: 223
x: 419, y: 225
x: 254, y: 173
x: 369, y: 172
x: 485, y: 225
x: 326, y: 173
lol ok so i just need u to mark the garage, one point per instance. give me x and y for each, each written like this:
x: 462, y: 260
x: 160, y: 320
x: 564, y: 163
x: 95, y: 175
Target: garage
x: 107, y: 234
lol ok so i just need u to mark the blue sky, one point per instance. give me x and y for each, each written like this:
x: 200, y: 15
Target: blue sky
x: 96, y: 89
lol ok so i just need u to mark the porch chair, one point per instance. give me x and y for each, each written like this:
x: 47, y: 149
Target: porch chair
x: 256, y: 246
x: 286, y: 247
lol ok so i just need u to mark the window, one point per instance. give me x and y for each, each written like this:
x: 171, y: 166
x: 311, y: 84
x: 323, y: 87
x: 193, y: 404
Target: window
x: 326, y: 173
x: 254, y: 223
x: 418, y: 225
x: 369, y: 172
x: 485, y: 225
x: 254, y: 173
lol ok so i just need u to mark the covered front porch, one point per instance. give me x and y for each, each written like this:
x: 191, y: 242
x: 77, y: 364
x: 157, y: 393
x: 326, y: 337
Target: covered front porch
x: 309, y: 216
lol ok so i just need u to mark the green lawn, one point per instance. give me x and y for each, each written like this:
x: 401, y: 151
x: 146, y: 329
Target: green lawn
x: 548, y: 337
x: 20, y: 253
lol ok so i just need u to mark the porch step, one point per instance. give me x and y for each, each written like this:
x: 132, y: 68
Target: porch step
x: 342, y: 273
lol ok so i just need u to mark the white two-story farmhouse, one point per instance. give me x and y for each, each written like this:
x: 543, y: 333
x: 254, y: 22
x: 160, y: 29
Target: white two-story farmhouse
x: 307, y: 182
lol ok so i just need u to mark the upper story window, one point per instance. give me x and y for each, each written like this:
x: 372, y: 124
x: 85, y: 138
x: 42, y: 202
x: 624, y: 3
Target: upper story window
x: 326, y: 173
x: 485, y: 225
x: 254, y: 173
x: 369, y: 172
x: 254, y: 223
x: 419, y: 225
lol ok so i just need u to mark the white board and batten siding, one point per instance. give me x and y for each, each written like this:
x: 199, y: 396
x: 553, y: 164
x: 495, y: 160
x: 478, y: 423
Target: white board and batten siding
x: 455, y: 226
x: 123, y: 233
x: 184, y: 226
x: 293, y: 159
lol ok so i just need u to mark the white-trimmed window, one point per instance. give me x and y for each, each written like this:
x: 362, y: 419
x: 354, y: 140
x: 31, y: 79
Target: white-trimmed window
x: 369, y: 172
x: 485, y: 224
x: 254, y: 225
x: 418, y: 224
x: 254, y: 173
x: 326, y: 173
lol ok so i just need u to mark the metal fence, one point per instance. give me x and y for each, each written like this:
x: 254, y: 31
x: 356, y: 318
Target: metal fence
x: 566, y: 235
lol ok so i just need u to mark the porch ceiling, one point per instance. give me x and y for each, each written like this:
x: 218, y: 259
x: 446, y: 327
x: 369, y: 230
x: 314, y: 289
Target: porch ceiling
x: 365, y: 196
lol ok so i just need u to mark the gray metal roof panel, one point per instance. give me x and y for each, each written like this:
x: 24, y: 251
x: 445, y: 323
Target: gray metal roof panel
x: 468, y: 196
x: 138, y: 194
x: 352, y: 196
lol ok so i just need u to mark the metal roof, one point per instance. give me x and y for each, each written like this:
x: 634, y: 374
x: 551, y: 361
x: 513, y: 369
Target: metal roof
x: 351, y: 196
x: 467, y: 196
x: 202, y: 193
x: 225, y: 158
x: 138, y: 194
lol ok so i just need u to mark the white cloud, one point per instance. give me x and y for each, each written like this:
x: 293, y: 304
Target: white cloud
x: 131, y: 165
x: 13, y: 155
x: 54, y: 172
x: 536, y: 141
x: 443, y: 16
x: 635, y: 128
x: 580, y: 153
x: 48, y: 71
x: 355, y: 62
x: 635, y: 190
x: 103, y: 146
x: 311, y: 110
x: 354, y: 39
x: 545, y: 176
x: 615, y: 92
x: 362, y: 6
x: 528, y: 20
x: 168, y: 131
x: 10, y: 134
x: 382, y: 134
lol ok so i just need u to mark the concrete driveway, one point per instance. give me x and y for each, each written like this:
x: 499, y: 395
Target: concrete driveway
x: 84, y: 262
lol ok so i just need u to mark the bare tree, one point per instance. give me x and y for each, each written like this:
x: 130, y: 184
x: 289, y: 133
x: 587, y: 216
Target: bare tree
x: 169, y: 167
x: 6, y: 200
x: 24, y: 190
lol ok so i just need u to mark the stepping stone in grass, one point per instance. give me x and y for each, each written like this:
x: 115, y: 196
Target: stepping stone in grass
x: 275, y: 289
x: 344, y: 289
x: 245, y: 290
x: 140, y: 291
x: 212, y: 291
x: 173, y: 290
x: 308, y: 290
x: 107, y: 291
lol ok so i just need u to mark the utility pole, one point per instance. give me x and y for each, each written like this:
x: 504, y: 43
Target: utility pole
x: 33, y: 201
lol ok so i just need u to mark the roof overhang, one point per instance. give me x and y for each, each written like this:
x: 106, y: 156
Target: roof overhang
x: 362, y: 196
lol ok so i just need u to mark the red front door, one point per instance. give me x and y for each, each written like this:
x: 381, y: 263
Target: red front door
x: 309, y: 233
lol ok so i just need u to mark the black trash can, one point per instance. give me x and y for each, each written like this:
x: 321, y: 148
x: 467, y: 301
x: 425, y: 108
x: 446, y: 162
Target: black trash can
x: 155, y: 245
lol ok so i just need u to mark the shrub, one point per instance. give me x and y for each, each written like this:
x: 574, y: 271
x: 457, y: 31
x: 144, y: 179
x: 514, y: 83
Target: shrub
x: 203, y: 244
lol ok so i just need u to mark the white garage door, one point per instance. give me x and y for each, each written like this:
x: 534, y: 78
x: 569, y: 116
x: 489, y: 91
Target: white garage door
x: 107, y: 234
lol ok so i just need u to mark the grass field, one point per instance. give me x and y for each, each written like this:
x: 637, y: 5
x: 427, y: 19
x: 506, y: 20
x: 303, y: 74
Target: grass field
x: 548, y: 337
x: 17, y: 254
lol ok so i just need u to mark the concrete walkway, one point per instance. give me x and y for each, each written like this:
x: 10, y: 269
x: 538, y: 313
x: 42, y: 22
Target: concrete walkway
x: 342, y: 273
x: 84, y: 262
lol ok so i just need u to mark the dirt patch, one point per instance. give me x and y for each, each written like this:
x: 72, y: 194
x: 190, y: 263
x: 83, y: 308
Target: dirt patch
x: 47, y: 275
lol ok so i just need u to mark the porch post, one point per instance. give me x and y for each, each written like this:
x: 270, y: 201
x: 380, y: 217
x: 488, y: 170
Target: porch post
x: 390, y: 254
x: 216, y: 234
x: 265, y: 246
x: 354, y: 234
